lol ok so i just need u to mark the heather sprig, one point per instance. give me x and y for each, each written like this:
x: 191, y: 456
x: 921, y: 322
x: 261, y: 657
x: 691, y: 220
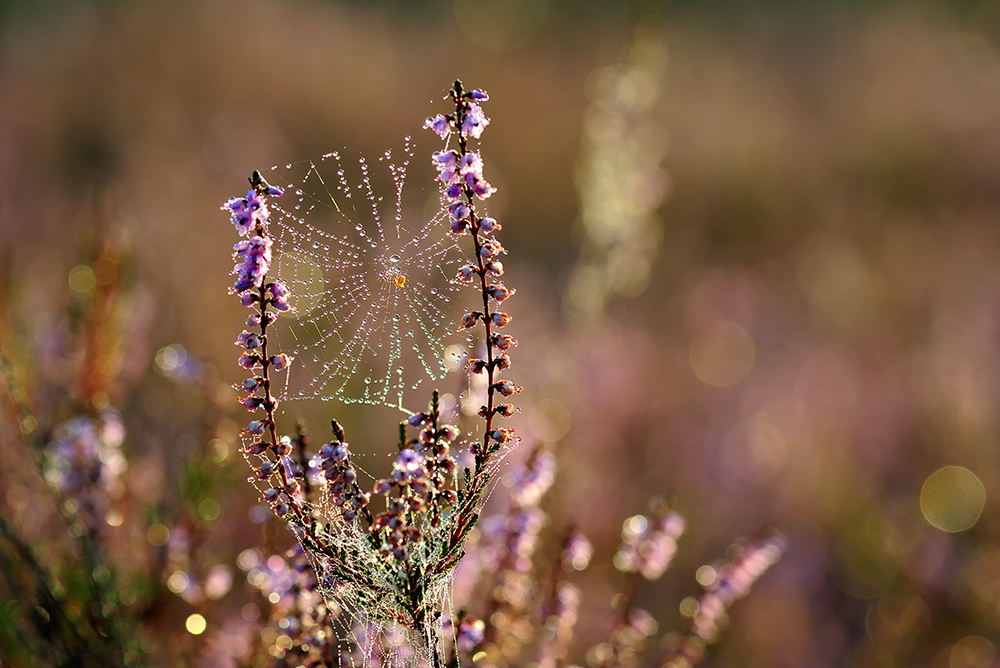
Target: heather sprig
x: 724, y: 582
x: 391, y: 567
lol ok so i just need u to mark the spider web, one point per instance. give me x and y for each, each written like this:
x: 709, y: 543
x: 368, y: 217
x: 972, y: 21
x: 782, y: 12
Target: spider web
x: 372, y: 283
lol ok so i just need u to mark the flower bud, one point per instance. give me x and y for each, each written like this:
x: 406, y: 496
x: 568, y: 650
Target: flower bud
x: 500, y: 319
x: 506, y: 388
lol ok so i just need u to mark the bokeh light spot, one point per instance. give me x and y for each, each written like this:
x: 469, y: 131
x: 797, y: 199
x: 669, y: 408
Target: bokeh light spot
x: 952, y: 499
x: 722, y: 355
x: 82, y: 281
x: 170, y: 358
x: 972, y: 652
x: 195, y: 624
x: 158, y: 535
x: 548, y: 420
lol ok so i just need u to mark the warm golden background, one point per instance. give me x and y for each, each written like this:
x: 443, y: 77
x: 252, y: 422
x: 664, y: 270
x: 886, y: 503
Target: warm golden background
x: 755, y: 246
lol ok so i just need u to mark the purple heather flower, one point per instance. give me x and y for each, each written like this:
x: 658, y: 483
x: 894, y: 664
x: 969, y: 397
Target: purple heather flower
x: 479, y: 186
x: 255, y: 428
x: 446, y: 162
x: 248, y: 340
x: 500, y: 292
x: 279, y: 297
x: 475, y: 121
x: 467, y: 273
x: 248, y: 299
x: 534, y: 479
x: 459, y: 227
x: 471, y: 633
x: 478, y: 95
x: 454, y: 191
x: 495, y: 267
x: 487, y: 225
x: 506, y: 388
x: 439, y: 124
x: 239, y: 215
x: 471, y: 163
x: 251, y: 384
x: 500, y: 319
x: 408, y: 466
x: 459, y: 210
x: 252, y: 403
x: 248, y: 361
x: 502, y: 361
x: 280, y: 361
x: 491, y: 248
x: 470, y: 319
x: 504, y: 341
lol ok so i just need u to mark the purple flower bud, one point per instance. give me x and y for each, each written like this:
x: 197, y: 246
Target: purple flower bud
x: 251, y: 384
x: 470, y: 319
x: 248, y: 360
x: 248, y: 340
x: 477, y: 365
x: 500, y: 292
x: 459, y: 210
x: 491, y: 248
x: 265, y: 470
x: 500, y: 319
x: 467, y: 273
x: 506, y: 388
x: 495, y: 267
x: 416, y: 419
x: 459, y: 227
x: 502, y: 435
x: 257, y: 447
x: 255, y: 428
x: 275, y: 191
x: 507, y: 410
x: 502, y: 361
x: 284, y: 446
x: 479, y: 95
x: 504, y: 341
x: 487, y: 225
x: 448, y: 433
x: 280, y: 361
x: 252, y: 403
x: 248, y: 299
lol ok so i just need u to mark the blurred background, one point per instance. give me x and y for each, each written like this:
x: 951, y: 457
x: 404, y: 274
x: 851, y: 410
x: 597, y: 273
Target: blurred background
x: 758, y: 269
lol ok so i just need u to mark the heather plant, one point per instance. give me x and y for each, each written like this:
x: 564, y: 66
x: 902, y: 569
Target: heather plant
x: 390, y: 570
